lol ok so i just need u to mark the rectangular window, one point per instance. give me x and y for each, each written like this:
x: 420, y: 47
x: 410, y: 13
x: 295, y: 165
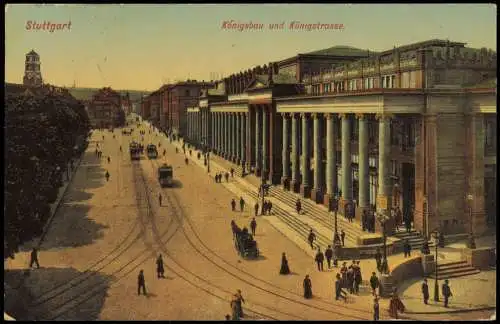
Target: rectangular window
x: 405, y: 80
x: 382, y: 81
x: 413, y: 80
x: 367, y: 84
x: 393, y: 81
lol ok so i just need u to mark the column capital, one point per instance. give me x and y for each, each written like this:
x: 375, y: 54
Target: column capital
x: 343, y: 116
x: 330, y: 116
x: 286, y: 115
x: 384, y: 116
x: 361, y: 116
x: 315, y: 115
x: 304, y: 115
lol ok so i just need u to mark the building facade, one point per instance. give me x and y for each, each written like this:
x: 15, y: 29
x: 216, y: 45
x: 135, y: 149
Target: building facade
x: 412, y: 127
x: 104, y: 108
x: 32, y: 73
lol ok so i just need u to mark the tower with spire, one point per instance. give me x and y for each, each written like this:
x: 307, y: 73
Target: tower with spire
x: 32, y: 73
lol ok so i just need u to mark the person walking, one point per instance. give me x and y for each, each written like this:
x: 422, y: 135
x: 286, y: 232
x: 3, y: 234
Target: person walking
x: 307, y: 287
x: 319, y: 259
x: 107, y: 176
x: 339, y: 292
x: 342, y: 237
x: 256, y: 208
x: 242, y: 204
x: 425, y: 291
x: 159, y: 199
x: 232, y: 173
x: 446, y: 291
x: 109, y: 159
x: 233, y: 204
x: 350, y: 279
x: 407, y: 248
x: 311, y: 238
x: 396, y: 305
x: 160, y: 270
x: 376, y: 309
x: 408, y: 223
x: 329, y: 255
x: 141, y: 283
x: 378, y: 259
x: 374, y: 283
x: 269, y: 207
x: 358, y: 279
x: 235, y: 311
x: 34, y: 258
x: 298, y: 206
x: 284, y: 270
x: 227, y: 177
x: 239, y: 301
x: 253, y: 226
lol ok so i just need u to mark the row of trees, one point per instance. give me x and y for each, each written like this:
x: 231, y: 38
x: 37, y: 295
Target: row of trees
x: 43, y: 132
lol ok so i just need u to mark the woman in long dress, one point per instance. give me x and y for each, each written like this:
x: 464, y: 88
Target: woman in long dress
x: 307, y: 288
x: 284, y: 265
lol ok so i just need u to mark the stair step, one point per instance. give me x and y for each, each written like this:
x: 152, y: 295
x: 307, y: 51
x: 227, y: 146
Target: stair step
x: 455, y: 274
x: 456, y: 270
x: 453, y: 264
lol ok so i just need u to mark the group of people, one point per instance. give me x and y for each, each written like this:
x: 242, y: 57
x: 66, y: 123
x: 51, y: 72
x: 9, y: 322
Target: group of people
x: 351, y: 276
x: 242, y: 204
x: 398, y: 219
x: 218, y: 177
x: 267, y: 207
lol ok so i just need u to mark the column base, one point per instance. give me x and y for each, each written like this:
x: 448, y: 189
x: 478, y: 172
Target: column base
x: 237, y: 161
x: 295, y: 186
x: 243, y: 168
x: 275, y: 178
x: 257, y: 171
x: 305, y: 191
x: 328, y: 201
x: 265, y: 174
x: 317, y: 195
x: 285, y: 182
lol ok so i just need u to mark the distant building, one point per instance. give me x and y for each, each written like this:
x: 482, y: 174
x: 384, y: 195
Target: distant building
x: 104, y: 108
x: 32, y: 73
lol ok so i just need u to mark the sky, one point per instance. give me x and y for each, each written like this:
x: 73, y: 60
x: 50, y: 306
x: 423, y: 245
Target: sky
x: 141, y: 47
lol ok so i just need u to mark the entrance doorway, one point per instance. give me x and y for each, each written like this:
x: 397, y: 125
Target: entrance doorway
x: 408, y: 190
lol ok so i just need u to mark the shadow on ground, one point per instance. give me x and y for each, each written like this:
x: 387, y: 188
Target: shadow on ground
x: 46, y: 293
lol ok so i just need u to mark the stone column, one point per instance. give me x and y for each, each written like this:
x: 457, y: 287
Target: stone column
x: 331, y: 160
x: 250, y: 150
x: 265, y: 143
x: 346, y: 161
x: 226, y: 135
x: 258, y: 139
x: 305, y: 187
x: 221, y: 133
x: 317, y: 192
x: 363, y: 165
x: 295, y: 153
x: 384, y: 172
x: 285, y: 178
x: 243, y: 132
x: 237, y: 118
x: 216, y: 131
x: 231, y: 136
x: 234, y: 138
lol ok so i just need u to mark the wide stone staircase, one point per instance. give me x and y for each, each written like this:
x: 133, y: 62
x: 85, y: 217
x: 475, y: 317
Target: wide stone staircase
x: 416, y: 239
x: 454, y: 270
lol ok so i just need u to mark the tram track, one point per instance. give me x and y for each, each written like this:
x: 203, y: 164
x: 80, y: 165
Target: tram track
x: 174, y: 203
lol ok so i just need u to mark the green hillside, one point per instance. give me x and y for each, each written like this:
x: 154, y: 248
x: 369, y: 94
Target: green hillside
x: 87, y: 93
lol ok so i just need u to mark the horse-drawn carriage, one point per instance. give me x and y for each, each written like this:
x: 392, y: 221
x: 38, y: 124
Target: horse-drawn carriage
x: 244, y: 242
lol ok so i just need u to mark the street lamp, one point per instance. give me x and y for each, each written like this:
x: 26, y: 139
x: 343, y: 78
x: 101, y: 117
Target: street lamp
x: 426, y: 215
x: 262, y: 183
x: 382, y: 218
x: 436, y: 286
x: 472, y: 242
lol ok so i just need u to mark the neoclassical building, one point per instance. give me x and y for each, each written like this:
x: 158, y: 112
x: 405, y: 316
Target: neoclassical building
x: 413, y: 127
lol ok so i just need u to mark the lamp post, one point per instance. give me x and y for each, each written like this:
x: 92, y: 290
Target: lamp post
x: 262, y: 183
x: 384, y: 268
x: 426, y: 215
x: 472, y: 242
x: 436, y: 286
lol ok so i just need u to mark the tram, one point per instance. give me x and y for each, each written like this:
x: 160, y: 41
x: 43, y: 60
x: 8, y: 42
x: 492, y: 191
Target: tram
x: 165, y: 175
x: 135, y: 151
x: 152, y: 151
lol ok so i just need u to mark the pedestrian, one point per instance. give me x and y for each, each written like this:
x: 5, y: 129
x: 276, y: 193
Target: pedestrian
x: 253, y: 226
x: 307, y: 287
x: 358, y: 279
x: 376, y: 309
x: 329, y: 255
x: 234, y: 308
x: 398, y: 218
x: 395, y: 305
x: 242, y: 204
x: 311, y: 238
x: 407, y: 248
x: 336, y: 239
x: 164, y: 152
x: 446, y: 291
x: 159, y: 198
x: 425, y: 248
x: 186, y: 161
x: 364, y: 220
x: 256, y: 208
x: 350, y: 279
x: 107, y: 176
x: 284, y: 270
x: 269, y: 207
x: 374, y: 283
x: 239, y: 302
x: 34, y: 258
x: 343, y: 272
x: 227, y: 177
x: 232, y: 173
x: 425, y: 291
x: 339, y: 292
x: 141, y: 283
x: 378, y: 258
x: 319, y: 259
x: 160, y: 270
x: 408, y: 223
x: 264, y: 207
x: 298, y: 206
x: 233, y: 204
x: 342, y: 237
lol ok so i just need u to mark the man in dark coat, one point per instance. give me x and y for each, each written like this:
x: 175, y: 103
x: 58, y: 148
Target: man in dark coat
x: 159, y: 199
x: 284, y: 270
x: 311, y: 238
x: 329, y: 255
x: 408, y: 223
x: 107, y: 176
x: 319, y: 259
x: 357, y: 277
x: 269, y: 207
x: 227, y: 177
x: 376, y: 309
x: 378, y: 258
x: 264, y: 207
x: 34, y: 258
x: 446, y: 291
x: 307, y: 287
x: 256, y: 208
x: 342, y: 237
x: 141, y: 283
x: 242, y: 204
x: 298, y: 206
x: 233, y: 204
x: 160, y: 270
x: 253, y: 226
x: 339, y: 292
x: 239, y: 301
x: 232, y: 173
x: 425, y: 291
x: 407, y: 248
x: 374, y: 283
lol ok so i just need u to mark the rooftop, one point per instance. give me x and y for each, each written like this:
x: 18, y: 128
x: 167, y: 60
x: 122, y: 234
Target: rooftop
x: 341, y: 50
